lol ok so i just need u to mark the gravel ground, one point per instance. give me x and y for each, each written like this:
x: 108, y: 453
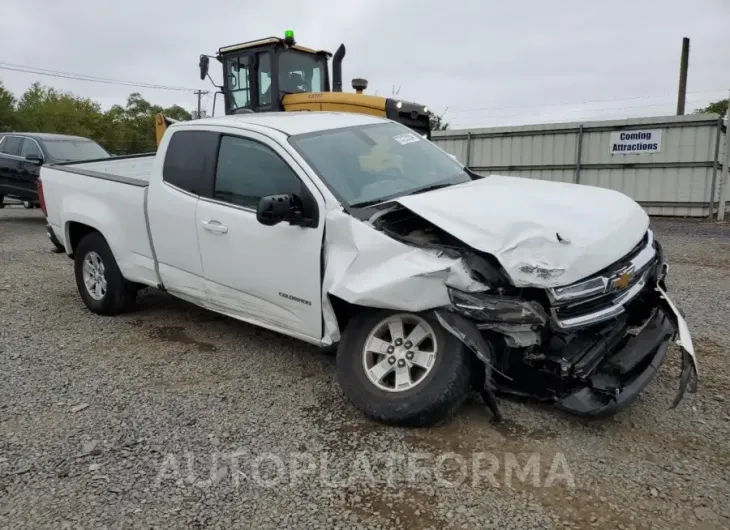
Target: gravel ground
x: 175, y: 417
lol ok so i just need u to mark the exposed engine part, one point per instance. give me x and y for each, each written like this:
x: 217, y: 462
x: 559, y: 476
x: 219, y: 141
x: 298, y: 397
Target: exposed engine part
x: 407, y: 227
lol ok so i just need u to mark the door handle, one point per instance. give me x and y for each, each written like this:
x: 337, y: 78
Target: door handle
x: 215, y: 227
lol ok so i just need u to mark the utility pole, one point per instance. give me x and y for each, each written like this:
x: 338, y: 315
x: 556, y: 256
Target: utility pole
x: 200, y: 94
x: 724, y: 181
x: 683, y: 67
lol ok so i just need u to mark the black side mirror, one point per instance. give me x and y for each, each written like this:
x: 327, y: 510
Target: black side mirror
x: 203, y: 64
x: 287, y: 207
x: 34, y: 158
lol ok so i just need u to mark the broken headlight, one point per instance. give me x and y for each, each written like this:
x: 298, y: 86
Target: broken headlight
x: 485, y: 307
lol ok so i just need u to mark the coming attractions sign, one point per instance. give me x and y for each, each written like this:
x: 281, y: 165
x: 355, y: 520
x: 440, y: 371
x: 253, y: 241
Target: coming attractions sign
x: 635, y: 142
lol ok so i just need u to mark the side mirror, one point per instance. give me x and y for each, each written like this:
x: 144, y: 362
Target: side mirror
x: 34, y: 158
x: 203, y: 64
x: 286, y: 207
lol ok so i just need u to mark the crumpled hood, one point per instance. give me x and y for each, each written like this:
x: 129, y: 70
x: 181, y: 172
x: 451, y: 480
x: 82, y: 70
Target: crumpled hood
x: 518, y: 220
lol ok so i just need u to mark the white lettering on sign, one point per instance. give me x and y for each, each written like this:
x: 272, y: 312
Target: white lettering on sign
x: 635, y: 142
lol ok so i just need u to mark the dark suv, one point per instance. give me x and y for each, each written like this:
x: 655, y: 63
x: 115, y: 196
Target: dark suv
x: 22, y: 154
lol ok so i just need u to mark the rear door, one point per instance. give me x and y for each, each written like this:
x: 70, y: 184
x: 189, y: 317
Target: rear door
x: 10, y: 165
x: 270, y: 275
x: 187, y: 172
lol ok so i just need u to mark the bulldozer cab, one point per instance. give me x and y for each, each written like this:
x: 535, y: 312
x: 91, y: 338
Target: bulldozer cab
x: 277, y: 74
x: 259, y: 74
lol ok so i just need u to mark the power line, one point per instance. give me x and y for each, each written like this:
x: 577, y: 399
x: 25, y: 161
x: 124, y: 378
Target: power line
x: 89, y: 78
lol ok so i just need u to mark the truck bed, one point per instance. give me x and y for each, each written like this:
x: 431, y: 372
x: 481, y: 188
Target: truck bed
x: 108, y: 195
x: 128, y: 169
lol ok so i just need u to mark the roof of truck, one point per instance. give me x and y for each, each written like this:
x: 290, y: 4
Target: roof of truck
x: 292, y: 123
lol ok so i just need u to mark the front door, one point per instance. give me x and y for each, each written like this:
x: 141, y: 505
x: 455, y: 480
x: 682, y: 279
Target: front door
x: 269, y: 275
x: 28, y: 171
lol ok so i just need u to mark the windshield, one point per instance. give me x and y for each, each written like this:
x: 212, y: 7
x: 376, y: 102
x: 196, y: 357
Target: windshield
x: 74, y: 149
x: 368, y: 164
x: 300, y: 72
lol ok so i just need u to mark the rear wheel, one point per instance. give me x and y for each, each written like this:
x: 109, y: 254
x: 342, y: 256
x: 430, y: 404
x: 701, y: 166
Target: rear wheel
x: 27, y: 205
x: 402, y: 368
x: 98, y: 278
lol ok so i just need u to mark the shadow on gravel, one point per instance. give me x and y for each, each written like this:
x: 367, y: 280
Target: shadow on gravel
x: 30, y: 218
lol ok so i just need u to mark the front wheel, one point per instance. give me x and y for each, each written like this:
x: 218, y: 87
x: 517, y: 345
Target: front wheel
x: 402, y: 368
x: 98, y: 278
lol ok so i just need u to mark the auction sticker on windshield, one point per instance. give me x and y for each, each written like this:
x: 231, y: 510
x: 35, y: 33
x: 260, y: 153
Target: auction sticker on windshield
x: 406, y: 138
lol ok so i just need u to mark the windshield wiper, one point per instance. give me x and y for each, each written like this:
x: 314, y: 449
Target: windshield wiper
x: 365, y: 204
x: 432, y: 187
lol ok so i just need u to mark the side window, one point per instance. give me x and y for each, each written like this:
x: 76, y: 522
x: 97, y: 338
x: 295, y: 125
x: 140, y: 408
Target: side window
x: 264, y: 79
x: 189, y: 161
x: 30, y: 147
x: 11, y: 145
x: 248, y: 170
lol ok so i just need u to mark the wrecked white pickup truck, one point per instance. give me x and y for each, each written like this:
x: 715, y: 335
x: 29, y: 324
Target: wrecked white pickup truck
x: 349, y: 229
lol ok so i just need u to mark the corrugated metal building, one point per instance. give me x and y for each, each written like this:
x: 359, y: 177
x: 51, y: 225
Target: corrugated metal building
x: 671, y: 165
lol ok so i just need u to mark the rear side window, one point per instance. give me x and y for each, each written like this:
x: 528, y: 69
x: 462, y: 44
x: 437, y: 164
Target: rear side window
x: 11, y: 145
x: 30, y: 147
x: 190, y: 161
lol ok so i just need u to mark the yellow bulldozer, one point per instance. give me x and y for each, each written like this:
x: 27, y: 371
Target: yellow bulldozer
x: 275, y: 74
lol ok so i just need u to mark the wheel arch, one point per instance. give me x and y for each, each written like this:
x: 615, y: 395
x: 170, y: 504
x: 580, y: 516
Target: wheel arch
x: 75, y: 232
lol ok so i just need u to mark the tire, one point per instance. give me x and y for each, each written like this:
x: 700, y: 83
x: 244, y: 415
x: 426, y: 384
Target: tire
x: 2, y: 202
x: 27, y: 205
x: 119, y: 295
x: 433, y: 399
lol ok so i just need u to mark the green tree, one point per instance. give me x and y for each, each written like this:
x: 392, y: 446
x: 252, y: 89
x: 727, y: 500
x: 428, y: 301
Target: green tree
x: 437, y: 123
x: 124, y: 129
x: 133, y: 126
x: 45, y: 109
x: 717, y: 107
x: 8, y: 116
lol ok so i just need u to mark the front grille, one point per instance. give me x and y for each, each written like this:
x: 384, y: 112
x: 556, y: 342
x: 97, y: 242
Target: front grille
x: 606, y: 292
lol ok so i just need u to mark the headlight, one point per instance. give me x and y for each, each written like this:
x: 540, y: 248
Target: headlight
x: 580, y: 290
x: 484, y: 307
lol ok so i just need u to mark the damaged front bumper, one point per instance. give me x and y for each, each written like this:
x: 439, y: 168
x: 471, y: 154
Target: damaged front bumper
x: 622, y: 376
x: 610, y: 374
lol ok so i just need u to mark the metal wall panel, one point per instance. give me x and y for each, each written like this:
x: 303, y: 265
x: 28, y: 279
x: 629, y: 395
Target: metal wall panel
x: 677, y: 180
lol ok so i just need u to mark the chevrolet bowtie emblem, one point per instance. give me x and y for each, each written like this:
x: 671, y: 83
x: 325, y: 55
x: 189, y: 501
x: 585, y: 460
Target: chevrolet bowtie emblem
x: 623, y: 280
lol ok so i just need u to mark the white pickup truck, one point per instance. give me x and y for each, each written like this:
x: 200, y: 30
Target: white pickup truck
x: 352, y: 230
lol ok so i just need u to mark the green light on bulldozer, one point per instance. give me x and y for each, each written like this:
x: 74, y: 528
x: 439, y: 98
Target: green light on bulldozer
x: 289, y: 36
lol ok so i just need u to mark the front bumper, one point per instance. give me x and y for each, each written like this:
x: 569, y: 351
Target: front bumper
x: 620, y: 378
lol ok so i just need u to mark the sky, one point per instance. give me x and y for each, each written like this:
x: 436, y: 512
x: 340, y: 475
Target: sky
x: 480, y: 63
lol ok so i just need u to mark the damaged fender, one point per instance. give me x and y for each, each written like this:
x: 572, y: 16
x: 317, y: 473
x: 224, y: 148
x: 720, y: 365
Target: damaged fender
x: 366, y: 267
